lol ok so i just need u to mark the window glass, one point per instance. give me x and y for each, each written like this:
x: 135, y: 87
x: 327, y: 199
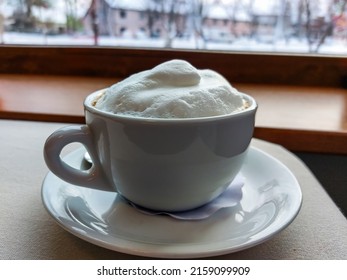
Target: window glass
x: 298, y: 26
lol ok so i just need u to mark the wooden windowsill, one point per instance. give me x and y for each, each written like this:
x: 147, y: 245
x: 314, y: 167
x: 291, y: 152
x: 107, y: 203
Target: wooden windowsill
x: 301, y: 118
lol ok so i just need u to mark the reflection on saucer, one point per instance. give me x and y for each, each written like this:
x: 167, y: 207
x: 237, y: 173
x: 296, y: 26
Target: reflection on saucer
x: 229, y: 198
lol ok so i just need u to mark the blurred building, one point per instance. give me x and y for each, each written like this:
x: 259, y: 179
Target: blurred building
x: 136, y: 19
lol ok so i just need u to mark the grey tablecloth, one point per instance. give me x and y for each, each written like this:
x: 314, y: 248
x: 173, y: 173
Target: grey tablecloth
x: 28, y: 232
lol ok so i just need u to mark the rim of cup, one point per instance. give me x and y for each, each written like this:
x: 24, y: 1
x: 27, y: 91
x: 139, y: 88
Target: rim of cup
x: 252, y: 106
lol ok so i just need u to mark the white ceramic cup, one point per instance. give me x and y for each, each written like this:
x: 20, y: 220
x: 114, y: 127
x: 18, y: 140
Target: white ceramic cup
x: 157, y: 163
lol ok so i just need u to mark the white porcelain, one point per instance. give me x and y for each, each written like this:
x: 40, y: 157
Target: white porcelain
x: 161, y: 164
x: 271, y: 200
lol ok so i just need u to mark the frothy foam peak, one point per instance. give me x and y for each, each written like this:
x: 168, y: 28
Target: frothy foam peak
x: 174, y: 89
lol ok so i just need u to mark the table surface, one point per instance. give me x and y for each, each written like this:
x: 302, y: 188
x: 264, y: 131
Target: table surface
x: 28, y: 232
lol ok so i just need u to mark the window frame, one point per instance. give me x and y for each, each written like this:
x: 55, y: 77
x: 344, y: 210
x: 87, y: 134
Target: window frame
x: 256, y: 70
x: 237, y: 67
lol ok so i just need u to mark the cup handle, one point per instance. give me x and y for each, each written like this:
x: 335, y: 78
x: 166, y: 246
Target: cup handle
x: 92, y: 178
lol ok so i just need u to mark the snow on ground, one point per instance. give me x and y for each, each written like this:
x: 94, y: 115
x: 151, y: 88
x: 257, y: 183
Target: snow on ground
x: 293, y: 45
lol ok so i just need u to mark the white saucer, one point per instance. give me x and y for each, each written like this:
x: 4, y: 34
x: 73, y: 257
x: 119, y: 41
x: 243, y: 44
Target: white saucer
x: 271, y: 200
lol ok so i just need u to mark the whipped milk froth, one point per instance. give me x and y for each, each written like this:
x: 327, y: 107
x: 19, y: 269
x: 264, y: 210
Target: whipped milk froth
x: 174, y: 89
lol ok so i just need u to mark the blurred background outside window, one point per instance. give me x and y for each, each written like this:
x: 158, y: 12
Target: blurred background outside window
x: 297, y: 26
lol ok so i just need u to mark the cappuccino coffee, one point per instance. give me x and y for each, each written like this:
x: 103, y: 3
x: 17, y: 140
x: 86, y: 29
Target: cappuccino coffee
x: 170, y: 139
x: 174, y: 89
